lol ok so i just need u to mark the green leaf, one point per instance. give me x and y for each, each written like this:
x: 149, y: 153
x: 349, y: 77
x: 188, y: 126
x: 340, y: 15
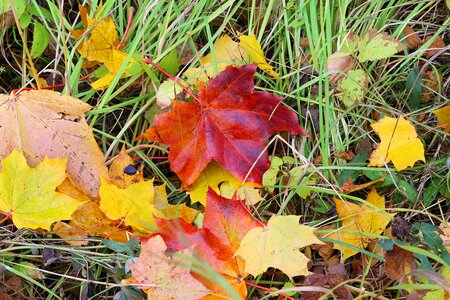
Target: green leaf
x: 301, y: 179
x: 270, y: 176
x: 414, y: 87
x: 350, y: 43
x: 354, y: 87
x: 19, y: 7
x: 171, y: 62
x: 25, y: 20
x: 41, y: 38
x: 377, y: 45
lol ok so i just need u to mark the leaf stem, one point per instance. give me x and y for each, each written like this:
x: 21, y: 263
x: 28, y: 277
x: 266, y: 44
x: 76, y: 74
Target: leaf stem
x: 148, y: 61
x: 130, y: 19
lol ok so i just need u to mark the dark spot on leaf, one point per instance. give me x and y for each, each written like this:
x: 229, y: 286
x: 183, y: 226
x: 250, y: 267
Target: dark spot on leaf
x: 130, y: 170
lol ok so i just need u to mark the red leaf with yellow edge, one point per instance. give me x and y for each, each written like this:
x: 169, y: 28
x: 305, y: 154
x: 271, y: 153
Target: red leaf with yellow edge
x: 229, y: 124
x: 225, y: 224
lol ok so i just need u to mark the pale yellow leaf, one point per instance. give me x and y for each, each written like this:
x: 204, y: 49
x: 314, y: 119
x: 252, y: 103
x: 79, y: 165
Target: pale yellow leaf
x: 358, y: 220
x: 277, y: 246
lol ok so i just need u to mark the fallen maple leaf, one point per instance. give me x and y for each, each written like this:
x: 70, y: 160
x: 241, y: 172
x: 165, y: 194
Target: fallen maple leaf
x: 28, y: 194
x: 134, y: 204
x: 254, y: 49
x: 229, y: 124
x: 72, y: 235
x: 399, y: 144
x: 225, y: 224
x: 361, y: 219
x: 443, y: 115
x: 226, y: 53
x: 223, y: 183
x: 101, y: 46
x: 165, y: 276
x: 135, y: 200
x: 277, y: 246
x: 49, y: 124
x: 399, y: 265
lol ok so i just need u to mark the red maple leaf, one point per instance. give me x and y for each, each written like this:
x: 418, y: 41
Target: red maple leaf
x: 229, y: 123
x: 225, y: 224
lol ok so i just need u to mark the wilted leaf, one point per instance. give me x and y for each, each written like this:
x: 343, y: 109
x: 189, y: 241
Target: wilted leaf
x: 413, y: 41
x: 432, y: 81
x: 354, y: 87
x: 254, y: 49
x: 436, y: 46
x: 49, y: 124
x: 28, y: 194
x: 229, y: 124
x: 90, y: 219
x: 72, y: 235
x: 338, y: 63
x: 350, y: 187
x: 361, y: 219
x: 399, y: 265
x: 399, y: 144
x: 165, y: 276
x: 277, y: 246
x: 443, y: 115
x: 377, y: 45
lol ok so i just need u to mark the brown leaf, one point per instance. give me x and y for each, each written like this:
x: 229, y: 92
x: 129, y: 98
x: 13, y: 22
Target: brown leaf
x: 44, y: 123
x: 70, y: 234
x: 338, y: 63
x: 431, y: 81
x: 413, y: 41
x: 399, y: 265
x: 435, y: 46
x: 350, y: 187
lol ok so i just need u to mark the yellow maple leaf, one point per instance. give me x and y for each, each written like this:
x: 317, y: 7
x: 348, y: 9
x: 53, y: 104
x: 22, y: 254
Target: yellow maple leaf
x: 224, y: 184
x: 101, y: 46
x: 443, y: 115
x: 133, y: 204
x: 226, y: 52
x: 28, y: 194
x: 277, y: 246
x: 399, y: 144
x: 135, y: 200
x: 254, y: 49
x: 358, y: 220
